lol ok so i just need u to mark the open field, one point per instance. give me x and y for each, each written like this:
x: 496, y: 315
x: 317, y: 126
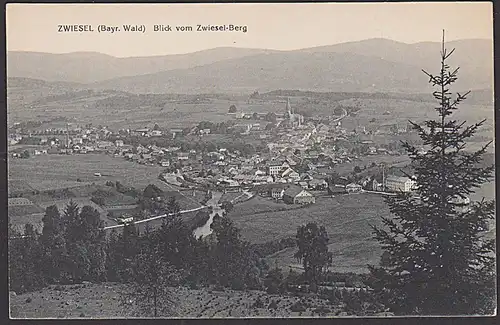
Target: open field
x: 22, y: 210
x: 19, y: 220
x: 51, y: 172
x: 131, y: 111
x: 348, y: 167
x: 106, y: 301
x: 259, y: 205
x: 347, y: 219
x: 61, y: 171
x: 347, y: 216
x: 18, y: 186
x: 43, y: 202
x: 55, y: 172
x: 400, y: 111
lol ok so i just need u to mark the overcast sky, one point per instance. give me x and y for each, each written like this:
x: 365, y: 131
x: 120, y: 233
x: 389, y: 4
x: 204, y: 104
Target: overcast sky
x: 272, y: 26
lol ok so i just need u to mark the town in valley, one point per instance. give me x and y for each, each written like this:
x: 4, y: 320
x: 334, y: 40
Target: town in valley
x: 214, y: 179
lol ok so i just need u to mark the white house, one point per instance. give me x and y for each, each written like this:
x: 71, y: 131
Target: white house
x: 277, y: 192
x: 290, y: 174
x: 398, y: 183
x: 276, y: 169
x: 297, y: 195
x: 259, y: 172
x: 353, y: 188
x: 156, y: 133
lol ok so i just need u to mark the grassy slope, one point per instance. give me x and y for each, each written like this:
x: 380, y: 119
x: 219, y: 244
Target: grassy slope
x: 347, y: 219
x: 60, y: 171
x: 105, y: 301
x: 96, y: 301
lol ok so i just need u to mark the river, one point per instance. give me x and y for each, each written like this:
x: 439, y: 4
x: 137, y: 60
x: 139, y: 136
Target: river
x: 205, y: 230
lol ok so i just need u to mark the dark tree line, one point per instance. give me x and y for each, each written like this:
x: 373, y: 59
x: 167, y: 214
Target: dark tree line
x: 73, y: 247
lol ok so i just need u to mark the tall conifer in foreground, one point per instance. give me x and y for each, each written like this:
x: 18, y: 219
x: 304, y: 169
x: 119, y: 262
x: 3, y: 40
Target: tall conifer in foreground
x: 439, y: 262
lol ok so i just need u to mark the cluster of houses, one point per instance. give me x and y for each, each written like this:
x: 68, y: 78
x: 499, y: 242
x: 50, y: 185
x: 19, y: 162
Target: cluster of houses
x: 298, y: 154
x: 289, y: 193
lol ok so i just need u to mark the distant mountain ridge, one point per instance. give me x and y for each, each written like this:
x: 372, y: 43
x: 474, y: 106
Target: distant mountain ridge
x: 364, y: 66
x: 89, y: 67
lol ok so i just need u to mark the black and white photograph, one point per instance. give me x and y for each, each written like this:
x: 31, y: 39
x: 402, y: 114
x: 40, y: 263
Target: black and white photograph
x: 250, y: 160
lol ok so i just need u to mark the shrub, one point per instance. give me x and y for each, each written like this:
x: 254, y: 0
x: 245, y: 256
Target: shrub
x: 298, y: 307
x: 322, y: 310
x: 98, y: 200
x: 258, y: 303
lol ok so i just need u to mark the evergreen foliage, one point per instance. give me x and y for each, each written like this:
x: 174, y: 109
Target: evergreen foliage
x: 25, y: 260
x: 236, y: 264
x: 274, y: 282
x: 438, y: 260
x: 53, y: 243
x: 152, y: 277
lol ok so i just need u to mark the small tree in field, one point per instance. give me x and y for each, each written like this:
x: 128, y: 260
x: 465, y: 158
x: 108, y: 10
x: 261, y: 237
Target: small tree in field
x: 438, y: 261
x: 153, y: 275
x: 312, y: 242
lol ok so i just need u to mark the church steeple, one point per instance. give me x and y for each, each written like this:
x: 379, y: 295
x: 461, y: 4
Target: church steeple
x: 288, y: 106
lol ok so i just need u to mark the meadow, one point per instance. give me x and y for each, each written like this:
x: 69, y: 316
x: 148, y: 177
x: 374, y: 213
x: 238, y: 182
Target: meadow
x: 376, y: 112
x: 348, y: 167
x: 76, y: 173
x: 122, y: 112
x: 347, y: 219
x: 48, y: 172
x: 259, y: 205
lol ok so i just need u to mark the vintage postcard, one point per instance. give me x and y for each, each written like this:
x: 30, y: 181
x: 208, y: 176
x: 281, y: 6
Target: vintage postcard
x: 250, y: 160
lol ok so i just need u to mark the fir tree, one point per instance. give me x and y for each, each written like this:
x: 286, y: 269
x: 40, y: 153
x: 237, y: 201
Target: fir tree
x: 25, y: 260
x: 53, y: 243
x: 152, y: 278
x: 95, y: 241
x: 438, y: 260
x: 85, y: 242
x: 71, y: 222
x: 176, y: 242
x: 235, y: 263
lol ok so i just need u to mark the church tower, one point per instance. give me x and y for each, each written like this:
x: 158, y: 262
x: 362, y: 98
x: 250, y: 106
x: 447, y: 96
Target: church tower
x: 288, y: 107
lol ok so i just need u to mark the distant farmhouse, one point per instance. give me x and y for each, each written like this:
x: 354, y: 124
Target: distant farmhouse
x: 291, y: 194
x: 297, y: 195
